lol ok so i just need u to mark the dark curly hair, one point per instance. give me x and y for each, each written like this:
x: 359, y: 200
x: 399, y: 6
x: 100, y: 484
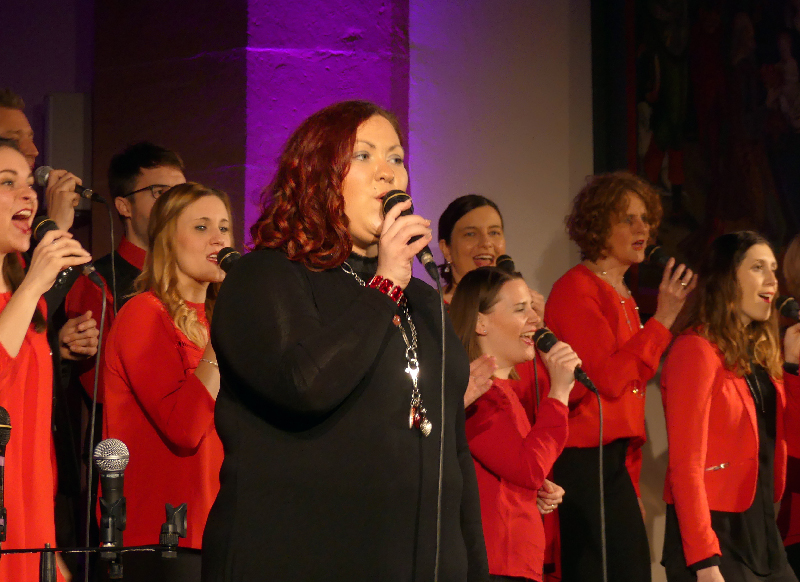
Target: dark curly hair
x: 303, y: 212
x: 603, y: 201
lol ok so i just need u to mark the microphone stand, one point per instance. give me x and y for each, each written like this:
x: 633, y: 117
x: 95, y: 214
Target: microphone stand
x: 172, y: 530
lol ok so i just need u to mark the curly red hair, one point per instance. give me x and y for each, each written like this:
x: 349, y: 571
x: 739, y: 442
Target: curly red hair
x: 603, y: 201
x: 303, y: 212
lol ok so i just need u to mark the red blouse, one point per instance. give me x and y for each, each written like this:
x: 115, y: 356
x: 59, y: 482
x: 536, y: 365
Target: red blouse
x: 164, y: 414
x: 511, y: 462
x: 26, y: 392
x: 587, y: 313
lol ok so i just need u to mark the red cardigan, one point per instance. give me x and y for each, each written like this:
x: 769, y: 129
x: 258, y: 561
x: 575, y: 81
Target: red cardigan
x: 511, y: 462
x: 713, y: 440
x: 26, y: 392
x: 585, y: 311
x: 164, y: 414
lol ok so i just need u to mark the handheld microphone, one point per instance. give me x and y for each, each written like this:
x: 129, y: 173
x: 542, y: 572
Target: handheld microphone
x: 788, y: 307
x: 42, y: 173
x: 5, y: 435
x: 504, y: 262
x: 227, y: 257
x: 425, y: 256
x: 545, y: 340
x: 42, y: 225
x: 656, y: 255
x: 111, y: 457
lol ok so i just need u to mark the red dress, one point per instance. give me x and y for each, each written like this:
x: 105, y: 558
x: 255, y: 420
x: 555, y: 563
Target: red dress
x: 164, y: 414
x: 511, y: 462
x: 26, y: 392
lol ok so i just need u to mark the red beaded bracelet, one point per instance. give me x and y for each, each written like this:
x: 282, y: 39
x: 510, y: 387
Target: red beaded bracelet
x: 387, y: 287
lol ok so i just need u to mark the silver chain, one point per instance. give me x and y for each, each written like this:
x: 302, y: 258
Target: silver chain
x: 417, y: 413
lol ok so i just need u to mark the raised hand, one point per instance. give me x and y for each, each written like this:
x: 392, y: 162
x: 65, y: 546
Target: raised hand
x: 480, y: 378
x: 676, y: 284
x: 561, y: 362
x: 394, y: 252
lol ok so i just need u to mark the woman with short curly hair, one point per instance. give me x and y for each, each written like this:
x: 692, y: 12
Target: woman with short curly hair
x: 612, y: 220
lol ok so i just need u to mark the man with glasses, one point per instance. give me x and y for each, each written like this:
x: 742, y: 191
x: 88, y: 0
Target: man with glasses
x: 136, y: 177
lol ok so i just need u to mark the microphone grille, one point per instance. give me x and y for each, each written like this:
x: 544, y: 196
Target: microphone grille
x: 544, y: 339
x: 393, y: 198
x: 41, y: 174
x: 226, y: 257
x: 5, y: 427
x: 111, y: 455
x: 506, y: 263
x: 788, y: 307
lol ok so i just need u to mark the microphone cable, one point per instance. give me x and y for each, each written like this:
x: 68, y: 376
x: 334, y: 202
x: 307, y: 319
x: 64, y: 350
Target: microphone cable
x: 443, y: 312
x: 93, y: 415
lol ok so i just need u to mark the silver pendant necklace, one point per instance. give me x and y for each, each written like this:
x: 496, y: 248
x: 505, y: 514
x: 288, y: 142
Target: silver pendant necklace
x: 417, y: 415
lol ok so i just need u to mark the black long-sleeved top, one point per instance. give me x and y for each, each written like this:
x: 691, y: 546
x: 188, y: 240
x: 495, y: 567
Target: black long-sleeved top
x: 322, y: 477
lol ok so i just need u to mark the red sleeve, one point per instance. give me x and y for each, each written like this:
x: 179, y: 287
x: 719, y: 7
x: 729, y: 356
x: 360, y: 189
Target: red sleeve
x: 575, y: 314
x: 496, y: 443
x: 687, y: 382
x: 152, y: 358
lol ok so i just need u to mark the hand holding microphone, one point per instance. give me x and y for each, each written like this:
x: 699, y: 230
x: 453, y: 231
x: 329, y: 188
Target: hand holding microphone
x: 546, y: 341
x: 676, y: 285
x: 403, y: 235
x: 60, y: 250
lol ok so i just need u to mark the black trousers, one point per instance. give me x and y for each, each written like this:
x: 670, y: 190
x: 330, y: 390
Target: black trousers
x: 628, y: 552
x: 732, y: 570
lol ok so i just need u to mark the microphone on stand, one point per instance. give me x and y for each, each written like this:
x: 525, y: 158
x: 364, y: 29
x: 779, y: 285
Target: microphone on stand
x: 545, y: 340
x: 656, y: 255
x: 5, y: 436
x: 111, y: 457
x: 788, y: 307
x: 394, y: 197
x: 42, y: 173
x: 506, y: 263
x: 227, y: 257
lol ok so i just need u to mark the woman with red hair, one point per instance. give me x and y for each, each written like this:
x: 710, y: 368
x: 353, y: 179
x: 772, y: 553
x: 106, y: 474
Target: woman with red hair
x: 590, y: 307
x: 330, y: 358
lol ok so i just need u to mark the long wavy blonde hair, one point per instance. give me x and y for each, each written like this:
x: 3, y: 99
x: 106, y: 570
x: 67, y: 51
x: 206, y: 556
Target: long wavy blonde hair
x: 160, y: 272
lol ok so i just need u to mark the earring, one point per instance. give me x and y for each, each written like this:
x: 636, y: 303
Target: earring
x: 447, y: 267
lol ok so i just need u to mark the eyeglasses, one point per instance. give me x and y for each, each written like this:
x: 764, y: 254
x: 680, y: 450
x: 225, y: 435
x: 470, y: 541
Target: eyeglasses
x: 156, y: 190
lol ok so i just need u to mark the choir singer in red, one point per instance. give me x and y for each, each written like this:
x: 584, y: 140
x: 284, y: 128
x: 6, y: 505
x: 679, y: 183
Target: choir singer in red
x: 591, y: 308
x: 492, y: 312
x: 730, y: 411
x: 161, y: 378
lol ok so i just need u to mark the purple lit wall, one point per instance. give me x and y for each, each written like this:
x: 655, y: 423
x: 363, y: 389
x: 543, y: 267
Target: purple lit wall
x: 303, y: 56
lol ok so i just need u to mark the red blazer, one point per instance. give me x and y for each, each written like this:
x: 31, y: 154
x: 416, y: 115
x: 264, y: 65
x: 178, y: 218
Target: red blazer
x: 585, y: 311
x: 511, y: 462
x: 713, y: 440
